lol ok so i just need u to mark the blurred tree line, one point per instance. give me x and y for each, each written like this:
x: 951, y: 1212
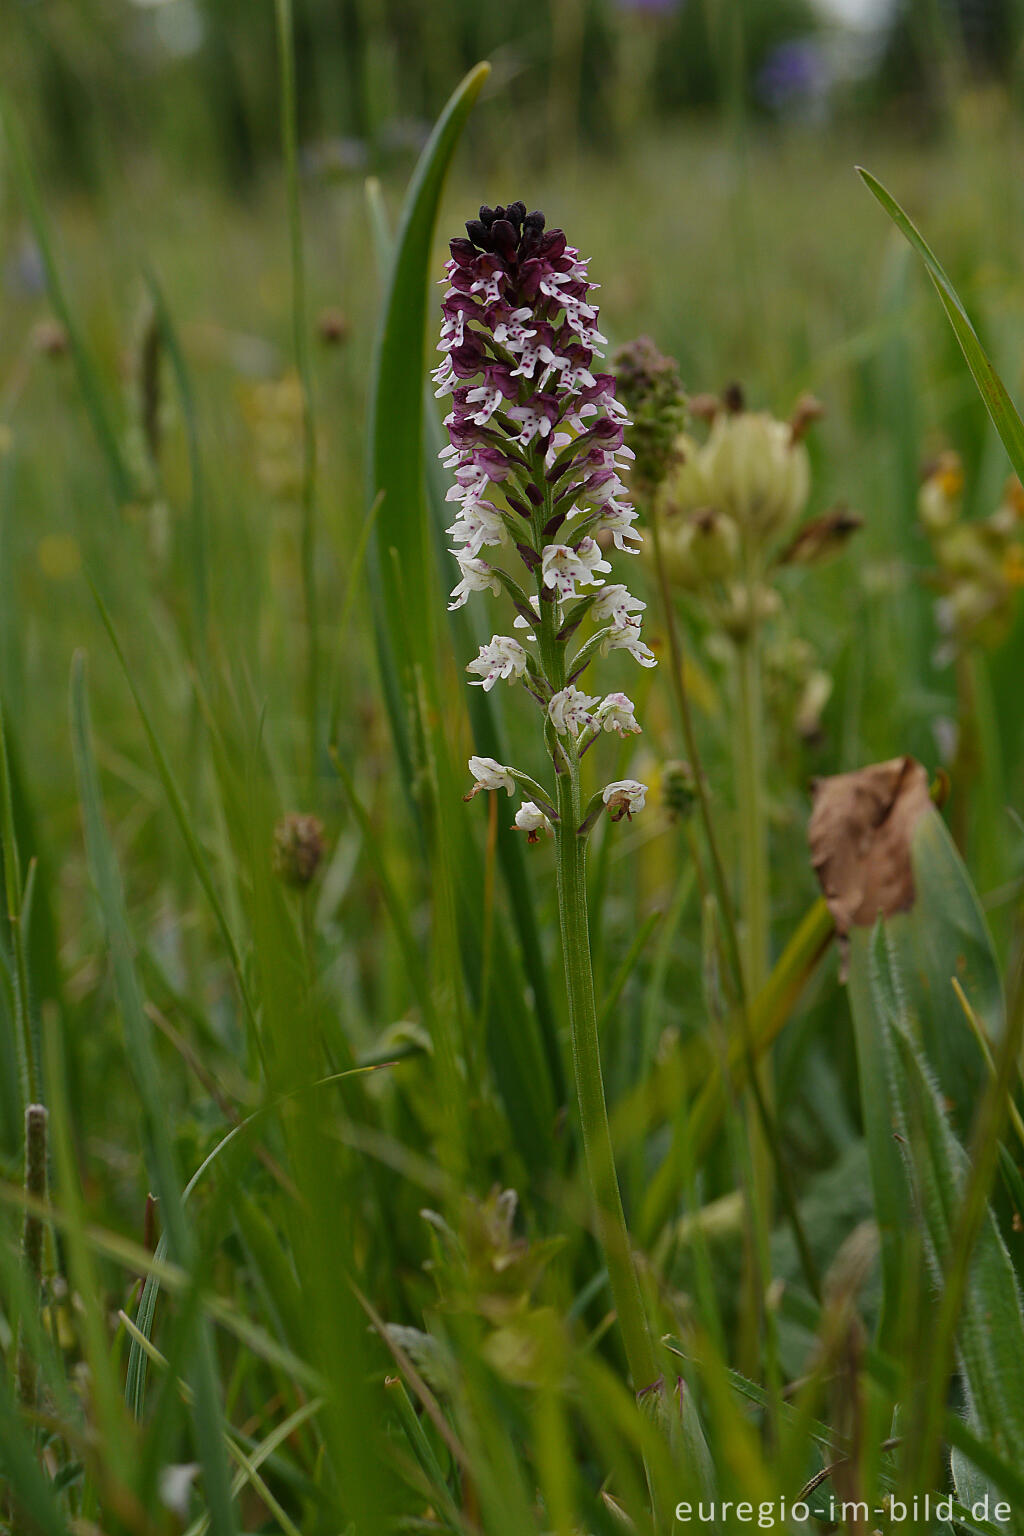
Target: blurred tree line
x: 195, y: 80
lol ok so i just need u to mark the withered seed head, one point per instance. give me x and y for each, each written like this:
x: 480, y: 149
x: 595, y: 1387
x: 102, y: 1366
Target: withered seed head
x: 734, y: 398
x: 298, y: 848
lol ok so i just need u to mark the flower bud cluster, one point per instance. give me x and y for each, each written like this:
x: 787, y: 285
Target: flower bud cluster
x: 649, y: 386
x: 729, y: 509
x: 980, y: 561
x: 537, y: 451
x: 733, y: 495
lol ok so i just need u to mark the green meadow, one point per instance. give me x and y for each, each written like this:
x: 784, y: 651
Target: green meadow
x: 309, y: 1067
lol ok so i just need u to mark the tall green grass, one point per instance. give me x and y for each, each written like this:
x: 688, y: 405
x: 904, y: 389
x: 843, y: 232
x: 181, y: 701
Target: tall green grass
x: 342, y: 1320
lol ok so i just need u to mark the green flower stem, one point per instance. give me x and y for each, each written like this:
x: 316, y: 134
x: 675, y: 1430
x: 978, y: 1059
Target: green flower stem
x: 14, y: 891
x: 571, y: 861
x: 300, y: 341
x: 750, y: 805
x: 749, y: 760
x: 571, y: 853
x: 32, y: 1245
x: 677, y: 677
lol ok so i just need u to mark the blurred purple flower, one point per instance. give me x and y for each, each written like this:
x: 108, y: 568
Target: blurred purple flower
x: 795, y: 74
x: 25, y: 273
x: 651, y: 7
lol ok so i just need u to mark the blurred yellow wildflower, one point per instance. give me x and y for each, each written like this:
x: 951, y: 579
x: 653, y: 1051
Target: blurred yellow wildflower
x: 59, y: 556
x: 273, y: 411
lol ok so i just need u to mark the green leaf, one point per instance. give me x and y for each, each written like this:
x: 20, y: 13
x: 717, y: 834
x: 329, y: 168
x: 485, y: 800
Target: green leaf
x: 990, y: 1331
x: 993, y: 392
x: 907, y: 971
x: 922, y: 1074
x: 885, y: 1373
x: 396, y: 418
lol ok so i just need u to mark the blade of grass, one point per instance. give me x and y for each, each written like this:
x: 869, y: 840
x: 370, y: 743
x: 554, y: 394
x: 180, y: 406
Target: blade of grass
x: 1000, y: 407
x: 980, y: 1304
x: 137, y: 1260
x: 24, y: 1037
x: 197, y: 490
x: 538, y: 1029
x: 142, y: 1062
x: 30, y: 1488
x: 121, y: 479
x: 626, y: 969
x: 424, y: 1453
x: 768, y: 1013
x: 182, y: 817
x: 356, y: 558
x: 886, y: 1373
x: 396, y: 406
x: 106, y: 1400
x: 300, y: 341
x: 135, y: 1380
x: 489, y: 740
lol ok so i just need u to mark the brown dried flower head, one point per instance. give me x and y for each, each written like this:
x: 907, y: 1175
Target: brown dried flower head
x: 298, y: 848
x: 860, y: 832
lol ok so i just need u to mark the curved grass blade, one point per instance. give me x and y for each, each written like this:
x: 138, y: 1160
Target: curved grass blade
x: 396, y: 404
x: 24, y: 1036
x: 197, y: 492
x: 21, y: 1474
x: 1000, y: 407
x: 768, y: 1013
x: 886, y: 1373
x: 980, y: 1297
x: 122, y: 481
x: 142, y: 1062
x: 303, y: 365
x: 138, y: 1260
x: 181, y: 816
x: 489, y: 739
x: 135, y: 1379
x: 907, y: 971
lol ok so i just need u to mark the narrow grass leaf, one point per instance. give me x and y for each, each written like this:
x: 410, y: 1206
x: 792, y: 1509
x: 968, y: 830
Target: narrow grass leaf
x: 993, y: 392
x: 184, y: 820
x: 122, y: 481
x: 142, y: 1061
x: 30, y: 1487
x: 198, y: 535
x: 990, y: 1329
x: 396, y: 399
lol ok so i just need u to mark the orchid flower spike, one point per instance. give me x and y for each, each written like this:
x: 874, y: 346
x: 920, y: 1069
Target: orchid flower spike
x: 537, y: 457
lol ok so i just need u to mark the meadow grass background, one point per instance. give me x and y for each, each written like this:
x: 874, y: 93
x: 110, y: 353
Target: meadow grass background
x: 750, y: 251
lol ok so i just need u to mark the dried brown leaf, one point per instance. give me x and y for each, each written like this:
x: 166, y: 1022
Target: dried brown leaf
x: 859, y: 835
